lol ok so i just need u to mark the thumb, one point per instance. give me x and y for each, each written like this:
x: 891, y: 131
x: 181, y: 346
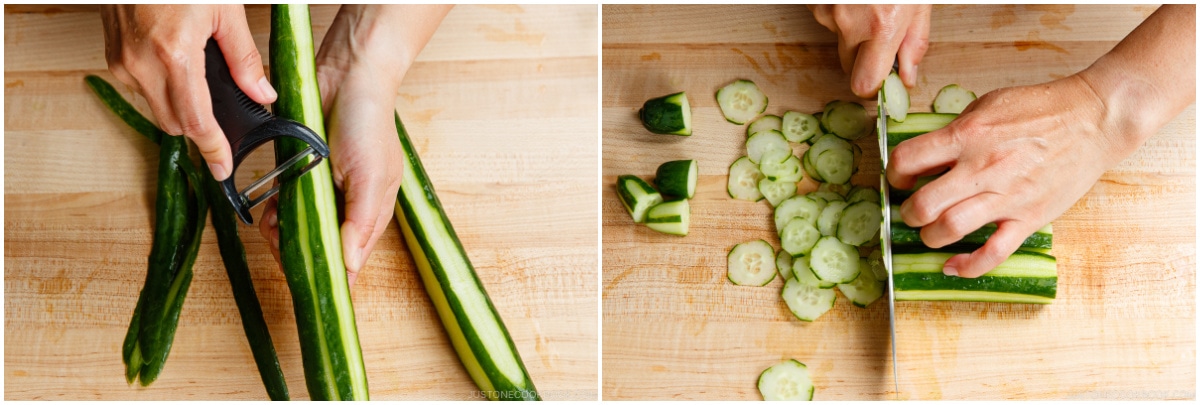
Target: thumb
x: 366, y: 218
x: 245, y: 63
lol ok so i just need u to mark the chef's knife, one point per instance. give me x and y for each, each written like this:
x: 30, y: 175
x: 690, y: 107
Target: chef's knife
x: 885, y: 229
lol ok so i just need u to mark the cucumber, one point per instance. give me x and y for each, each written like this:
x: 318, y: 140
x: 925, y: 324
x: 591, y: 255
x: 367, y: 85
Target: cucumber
x: 1025, y: 277
x: 677, y: 178
x: 859, y: 222
x: 820, y: 116
x: 904, y: 235
x: 786, y: 381
x: 802, y: 271
x: 637, y: 196
x: 835, y: 165
x: 799, y: 206
x: 798, y: 236
x: 764, y: 123
x: 783, y: 264
x: 846, y: 119
x: 807, y: 301
x: 670, y: 114
x: 827, y: 222
x: 953, y: 99
x: 741, y: 101
x: 875, y: 263
x: 309, y: 230
x: 895, y: 98
x: 751, y: 263
x: 865, y: 288
x: 809, y: 168
x: 763, y: 142
x: 776, y: 191
x: 834, y: 261
x: 826, y: 196
x: 916, y: 124
x: 787, y: 170
x: 743, y: 180
x: 670, y: 217
x: 841, y: 189
x: 863, y: 194
x: 799, y: 127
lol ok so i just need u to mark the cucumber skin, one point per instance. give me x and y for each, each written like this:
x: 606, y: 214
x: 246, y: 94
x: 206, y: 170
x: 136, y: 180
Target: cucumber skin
x: 663, y: 115
x: 318, y: 285
x: 1035, y: 286
x: 671, y: 178
x: 416, y: 241
x: 904, y: 235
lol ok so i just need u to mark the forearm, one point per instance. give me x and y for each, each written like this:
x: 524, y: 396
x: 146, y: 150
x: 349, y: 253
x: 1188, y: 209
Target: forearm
x: 383, y: 38
x: 1147, y: 79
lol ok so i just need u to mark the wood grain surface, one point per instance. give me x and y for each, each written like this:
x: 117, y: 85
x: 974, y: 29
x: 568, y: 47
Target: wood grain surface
x: 1123, y: 325
x: 502, y: 108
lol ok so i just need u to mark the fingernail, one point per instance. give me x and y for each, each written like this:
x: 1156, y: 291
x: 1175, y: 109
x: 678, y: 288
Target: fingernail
x: 950, y: 271
x: 273, y: 220
x: 218, y: 171
x: 266, y: 88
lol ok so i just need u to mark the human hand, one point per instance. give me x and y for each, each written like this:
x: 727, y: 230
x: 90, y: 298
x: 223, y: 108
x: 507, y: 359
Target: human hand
x: 359, y: 70
x: 871, y: 37
x: 159, y: 51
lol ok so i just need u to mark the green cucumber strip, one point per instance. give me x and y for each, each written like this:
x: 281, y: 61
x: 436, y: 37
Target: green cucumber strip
x: 1037, y: 286
x: 309, y: 237
x: 916, y: 124
x: 476, y: 330
x: 1019, y: 264
x: 677, y: 178
x: 670, y: 114
x: 904, y: 235
x: 972, y: 296
x: 125, y: 111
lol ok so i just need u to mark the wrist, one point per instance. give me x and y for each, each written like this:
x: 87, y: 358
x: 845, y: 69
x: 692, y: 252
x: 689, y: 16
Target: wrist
x: 1129, y: 109
x: 360, y: 40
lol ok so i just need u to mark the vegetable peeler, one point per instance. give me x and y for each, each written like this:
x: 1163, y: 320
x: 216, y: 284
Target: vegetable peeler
x: 248, y: 125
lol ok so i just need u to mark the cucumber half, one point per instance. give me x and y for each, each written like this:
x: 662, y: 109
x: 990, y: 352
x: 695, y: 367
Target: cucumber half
x: 677, y: 178
x: 670, y: 114
x: 637, y: 196
x: 741, y: 101
x: 787, y: 381
x: 670, y: 217
x: 751, y: 263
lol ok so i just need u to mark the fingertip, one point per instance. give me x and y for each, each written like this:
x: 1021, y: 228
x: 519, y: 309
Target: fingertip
x: 219, y: 171
x: 268, y: 92
x: 352, y: 246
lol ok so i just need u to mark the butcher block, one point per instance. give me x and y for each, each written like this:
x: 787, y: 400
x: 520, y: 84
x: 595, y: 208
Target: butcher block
x: 502, y: 109
x: 1123, y: 325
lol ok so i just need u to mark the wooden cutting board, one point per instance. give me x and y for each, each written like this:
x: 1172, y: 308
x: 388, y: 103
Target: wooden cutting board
x: 502, y: 108
x: 1123, y: 325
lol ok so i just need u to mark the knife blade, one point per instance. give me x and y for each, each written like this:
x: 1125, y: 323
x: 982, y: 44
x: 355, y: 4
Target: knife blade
x: 885, y: 230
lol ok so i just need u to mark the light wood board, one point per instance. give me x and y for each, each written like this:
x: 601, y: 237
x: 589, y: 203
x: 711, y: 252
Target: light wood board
x: 1123, y: 325
x: 502, y: 108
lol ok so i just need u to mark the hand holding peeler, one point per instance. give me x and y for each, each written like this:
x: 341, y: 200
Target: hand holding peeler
x: 247, y: 125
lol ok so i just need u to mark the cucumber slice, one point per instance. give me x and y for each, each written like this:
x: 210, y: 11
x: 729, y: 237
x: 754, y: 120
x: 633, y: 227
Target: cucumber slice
x: 807, y: 301
x: 677, y: 178
x: 761, y: 143
x: 834, y: 261
x: 875, y: 263
x: 799, y: 127
x: 952, y: 99
x: 637, y: 196
x: 752, y: 263
x: 797, y: 207
x: 895, y: 98
x: 820, y: 116
x: 786, y: 381
x: 865, y: 288
x: 783, y: 264
x: 741, y: 101
x: 827, y: 223
x: 787, y: 170
x: 798, y: 236
x: 847, y: 120
x: 825, y: 143
x: 670, y: 114
x: 863, y: 194
x: 828, y: 197
x: 809, y: 168
x: 802, y: 271
x: 859, y: 222
x: 840, y: 189
x: 776, y: 191
x: 835, y: 165
x: 764, y: 123
x: 743, y: 180
x: 670, y: 217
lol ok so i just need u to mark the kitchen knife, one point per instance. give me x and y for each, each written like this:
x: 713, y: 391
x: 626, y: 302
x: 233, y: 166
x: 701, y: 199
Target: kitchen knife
x: 885, y: 229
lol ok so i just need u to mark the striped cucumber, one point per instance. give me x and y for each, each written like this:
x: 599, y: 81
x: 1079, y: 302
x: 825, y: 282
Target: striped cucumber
x: 1025, y: 277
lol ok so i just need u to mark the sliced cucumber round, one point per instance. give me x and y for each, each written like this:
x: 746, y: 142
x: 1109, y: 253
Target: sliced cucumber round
x: 670, y: 114
x: 827, y: 223
x: 637, y: 196
x: 847, y: 120
x: 670, y: 217
x: 895, y: 98
x: 787, y: 170
x: 807, y: 301
x: 798, y: 236
x: 952, y: 99
x: 796, y: 207
x: 859, y: 222
x: 776, y: 191
x: 764, y: 142
x: 826, y: 196
x: 875, y: 262
x: 799, y: 127
x: 677, y: 178
x: 741, y: 101
x: 863, y: 194
x: 752, y: 263
x: 834, y: 261
x: 743, y: 180
x: 865, y: 288
x: 783, y: 264
x: 786, y: 381
x: 840, y: 189
x: 802, y: 272
x: 764, y: 123
x: 835, y: 165
x: 806, y: 163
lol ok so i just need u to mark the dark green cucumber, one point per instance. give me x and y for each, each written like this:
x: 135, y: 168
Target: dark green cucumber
x: 475, y: 328
x: 123, y: 109
x: 670, y: 114
x: 677, y: 178
x: 310, y: 242
x: 904, y: 235
x: 1025, y: 277
x: 916, y: 124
